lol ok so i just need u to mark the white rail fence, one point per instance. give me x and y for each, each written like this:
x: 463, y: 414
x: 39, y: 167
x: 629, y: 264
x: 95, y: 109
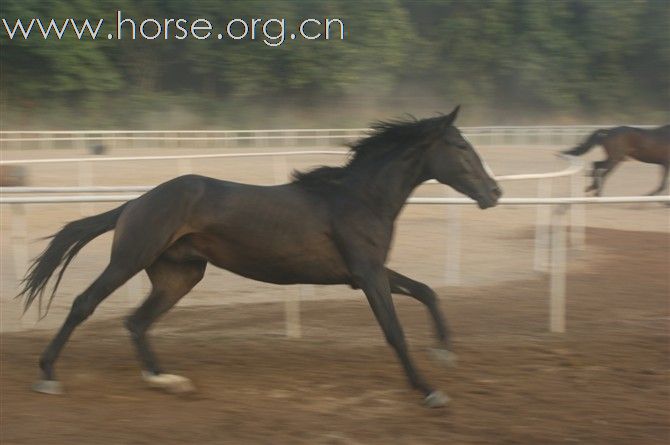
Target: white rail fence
x: 557, y: 245
x: 452, y: 272
x: 543, y: 239
x: 279, y: 160
x: 130, y: 139
x: 553, y: 217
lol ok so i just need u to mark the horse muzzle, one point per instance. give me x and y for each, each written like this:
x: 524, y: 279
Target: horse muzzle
x: 490, y: 198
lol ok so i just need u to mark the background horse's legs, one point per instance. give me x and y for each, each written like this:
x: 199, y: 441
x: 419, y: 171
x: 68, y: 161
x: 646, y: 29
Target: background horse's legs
x: 84, y: 305
x: 596, y: 169
x: 664, y: 180
x: 377, y: 289
x: 600, y: 171
x: 400, y: 284
x: 171, y: 280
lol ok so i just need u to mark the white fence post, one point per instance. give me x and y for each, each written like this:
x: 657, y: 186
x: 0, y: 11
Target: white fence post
x: 542, y: 221
x: 292, y: 313
x: 291, y: 301
x: 184, y: 166
x: 85, y: 179
x: 577, y: 213
x: 19, y: 238
x: 558, y: 270
x: 453, y: 244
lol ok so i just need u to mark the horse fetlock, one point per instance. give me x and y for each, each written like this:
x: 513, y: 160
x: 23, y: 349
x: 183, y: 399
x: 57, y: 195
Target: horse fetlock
x: 53, y: 387
x: 436, y: 399
x: 171, y: 383
x: 46, y: 366
x: 444, y: 356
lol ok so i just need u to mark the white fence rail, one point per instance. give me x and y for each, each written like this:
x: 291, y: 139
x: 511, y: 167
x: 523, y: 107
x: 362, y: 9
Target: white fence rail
x: 452, y: 275
x: 557, y: 245
x: 172, y: 157
x: 550, y: 230
x: 84, y: 139
x: 453, y: 226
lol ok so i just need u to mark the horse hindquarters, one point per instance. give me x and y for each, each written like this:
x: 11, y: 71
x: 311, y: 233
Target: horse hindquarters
x: 143, y: 230
x: 154, y: 221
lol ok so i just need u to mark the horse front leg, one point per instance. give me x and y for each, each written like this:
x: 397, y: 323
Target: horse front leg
x: 400, y: 284
x: 375, y: 284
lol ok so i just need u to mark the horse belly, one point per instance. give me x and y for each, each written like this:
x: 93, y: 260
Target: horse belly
x: 310, y: 260
x: 652, y: 152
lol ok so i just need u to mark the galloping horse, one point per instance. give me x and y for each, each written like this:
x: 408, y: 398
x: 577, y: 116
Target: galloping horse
x: 651, y: 146
x: 331, y: 225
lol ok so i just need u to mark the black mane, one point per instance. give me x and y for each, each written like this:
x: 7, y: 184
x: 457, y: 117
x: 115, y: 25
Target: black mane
x: 384, y: 138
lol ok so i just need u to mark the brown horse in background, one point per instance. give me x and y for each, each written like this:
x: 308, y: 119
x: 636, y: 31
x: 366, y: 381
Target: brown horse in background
x: 645, y: 145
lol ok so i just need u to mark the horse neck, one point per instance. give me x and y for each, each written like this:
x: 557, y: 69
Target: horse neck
x: 385, y: 186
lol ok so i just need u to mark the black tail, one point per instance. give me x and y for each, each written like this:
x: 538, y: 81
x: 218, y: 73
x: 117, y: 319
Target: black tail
x: 594, y: 139
x: 63, y: 247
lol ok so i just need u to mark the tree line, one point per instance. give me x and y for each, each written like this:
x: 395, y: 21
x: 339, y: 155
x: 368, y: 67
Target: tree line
x: 508, y: 61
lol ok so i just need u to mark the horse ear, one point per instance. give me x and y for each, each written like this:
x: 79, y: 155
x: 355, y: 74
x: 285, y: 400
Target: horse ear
x: 451, y: 117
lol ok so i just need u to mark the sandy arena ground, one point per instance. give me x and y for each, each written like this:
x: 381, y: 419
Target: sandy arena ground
x: 606, y: 381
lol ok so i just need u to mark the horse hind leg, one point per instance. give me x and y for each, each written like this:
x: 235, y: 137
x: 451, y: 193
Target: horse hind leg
x: 602, y: 171
x: 133, y: 249
x: 664, y: 181
x: 83, y: 306
x: 171, y: 280
x: 598, y: 167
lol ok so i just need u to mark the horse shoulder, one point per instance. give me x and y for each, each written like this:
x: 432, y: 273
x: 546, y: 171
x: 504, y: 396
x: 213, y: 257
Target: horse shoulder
x: 361, y: 235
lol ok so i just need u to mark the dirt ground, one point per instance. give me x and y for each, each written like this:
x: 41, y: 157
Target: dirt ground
x: 606, y: 381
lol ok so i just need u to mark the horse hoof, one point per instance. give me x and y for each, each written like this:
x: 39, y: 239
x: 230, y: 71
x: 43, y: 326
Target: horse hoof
x: 48, y: 387
x: 171, y: 383
x: 436, y: 399
x: 444, y: 356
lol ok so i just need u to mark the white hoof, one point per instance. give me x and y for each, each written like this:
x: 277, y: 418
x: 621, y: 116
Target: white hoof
x: 436, y: 399
x: 444, y: 356
x: 174, y: 384
x: 48, y: 387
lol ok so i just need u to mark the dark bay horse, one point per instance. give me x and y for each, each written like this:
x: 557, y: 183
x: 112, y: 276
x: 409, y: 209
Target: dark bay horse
x: 651, y: 146
x: 332, y: 225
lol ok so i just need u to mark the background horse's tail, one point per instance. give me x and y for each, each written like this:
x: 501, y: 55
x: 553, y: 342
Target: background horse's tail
x: 63, y: 247
x: 594, y: 139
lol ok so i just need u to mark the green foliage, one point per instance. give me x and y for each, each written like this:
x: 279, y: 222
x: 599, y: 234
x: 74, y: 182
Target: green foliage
x: 569, y: 58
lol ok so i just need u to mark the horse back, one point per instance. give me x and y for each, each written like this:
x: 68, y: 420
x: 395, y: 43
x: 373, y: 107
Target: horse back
x: 654, y: 145
x: 645, y: 145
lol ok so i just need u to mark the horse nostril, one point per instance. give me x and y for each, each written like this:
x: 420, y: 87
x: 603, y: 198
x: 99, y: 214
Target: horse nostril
x: 496, y: 191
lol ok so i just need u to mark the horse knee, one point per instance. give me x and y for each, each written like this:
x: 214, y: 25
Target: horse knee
x: 135, y: 328
x: 82, y: 308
